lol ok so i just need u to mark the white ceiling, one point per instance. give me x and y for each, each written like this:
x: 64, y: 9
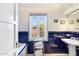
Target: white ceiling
x: 56, y: 8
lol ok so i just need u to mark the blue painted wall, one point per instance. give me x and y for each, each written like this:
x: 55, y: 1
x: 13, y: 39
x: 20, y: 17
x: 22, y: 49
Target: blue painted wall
x: 23, y: 38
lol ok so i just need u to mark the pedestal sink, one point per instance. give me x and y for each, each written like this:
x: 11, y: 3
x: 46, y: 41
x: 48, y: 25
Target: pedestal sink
x: 71, y: 45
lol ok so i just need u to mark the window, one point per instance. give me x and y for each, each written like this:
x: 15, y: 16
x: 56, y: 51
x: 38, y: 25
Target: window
x: 38, y: 27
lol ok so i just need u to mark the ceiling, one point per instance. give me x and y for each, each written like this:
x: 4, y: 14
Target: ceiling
x: 54, y: 9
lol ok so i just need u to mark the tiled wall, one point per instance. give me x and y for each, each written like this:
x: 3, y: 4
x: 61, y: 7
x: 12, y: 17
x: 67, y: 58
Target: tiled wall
x: 23, y: 38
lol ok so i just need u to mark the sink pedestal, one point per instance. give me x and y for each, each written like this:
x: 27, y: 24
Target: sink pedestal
x: 71, y: 45
x: 72, y: 50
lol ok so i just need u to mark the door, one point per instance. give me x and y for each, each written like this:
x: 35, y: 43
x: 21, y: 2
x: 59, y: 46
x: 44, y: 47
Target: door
x: 7, y: 28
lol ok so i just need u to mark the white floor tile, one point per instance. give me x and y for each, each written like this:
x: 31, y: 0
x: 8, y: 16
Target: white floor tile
x: 54, y: 54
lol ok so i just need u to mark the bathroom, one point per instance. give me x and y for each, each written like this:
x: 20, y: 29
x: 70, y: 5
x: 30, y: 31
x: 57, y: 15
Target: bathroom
x: 62, y: 23
x: 58, y: 34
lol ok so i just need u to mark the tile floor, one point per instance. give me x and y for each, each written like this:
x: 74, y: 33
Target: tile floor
x: 54, y: 54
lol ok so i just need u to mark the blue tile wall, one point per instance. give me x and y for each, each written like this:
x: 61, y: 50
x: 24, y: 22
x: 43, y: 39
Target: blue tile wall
x: 57, y: 41
x: 76, y: 34
x: 30, y: 47
x: 23, y: 38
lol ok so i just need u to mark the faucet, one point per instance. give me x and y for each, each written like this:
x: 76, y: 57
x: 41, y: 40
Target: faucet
x: 73, y: 38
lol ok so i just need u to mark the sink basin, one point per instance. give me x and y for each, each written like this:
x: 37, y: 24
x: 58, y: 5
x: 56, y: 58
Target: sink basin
x: 71, y: 42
